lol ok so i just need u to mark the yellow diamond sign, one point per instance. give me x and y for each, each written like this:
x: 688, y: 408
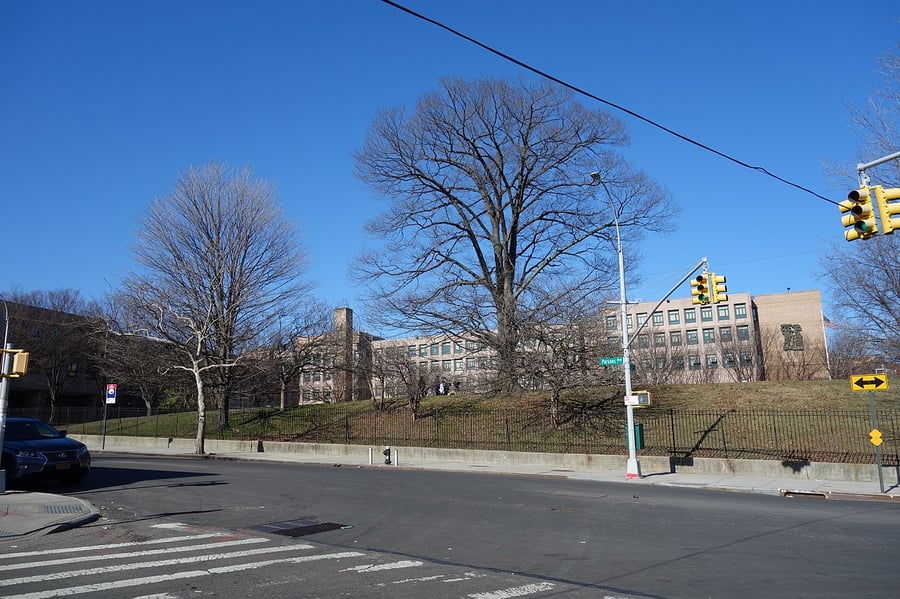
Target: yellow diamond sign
x: 875, y: 437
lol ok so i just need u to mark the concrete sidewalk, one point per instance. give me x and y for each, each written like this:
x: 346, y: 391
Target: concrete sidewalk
x: 26, y: 513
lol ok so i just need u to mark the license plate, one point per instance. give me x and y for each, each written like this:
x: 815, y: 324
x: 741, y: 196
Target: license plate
x: 63, y: 465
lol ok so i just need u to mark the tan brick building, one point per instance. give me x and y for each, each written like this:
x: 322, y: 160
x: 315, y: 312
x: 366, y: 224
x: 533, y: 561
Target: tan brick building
x: 746, y: 338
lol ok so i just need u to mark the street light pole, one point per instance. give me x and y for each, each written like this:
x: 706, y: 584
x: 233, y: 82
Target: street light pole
x: 633, y: 467
x: 5, y: 369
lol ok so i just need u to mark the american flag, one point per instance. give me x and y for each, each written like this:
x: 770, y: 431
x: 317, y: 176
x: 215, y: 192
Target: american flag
x: 828, y: 323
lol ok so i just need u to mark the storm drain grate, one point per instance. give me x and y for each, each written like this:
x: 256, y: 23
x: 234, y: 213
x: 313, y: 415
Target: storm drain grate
x: 299, y: 528
x: 64, y: 509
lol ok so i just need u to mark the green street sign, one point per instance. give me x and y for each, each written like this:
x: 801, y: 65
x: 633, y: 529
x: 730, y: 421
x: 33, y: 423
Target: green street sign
x: 612, y: 361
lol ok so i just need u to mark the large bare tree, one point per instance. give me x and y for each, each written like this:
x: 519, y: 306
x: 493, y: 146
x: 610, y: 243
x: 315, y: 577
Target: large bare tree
x: 863, y: 277
x: 221, y: 265
x: 491, y: 219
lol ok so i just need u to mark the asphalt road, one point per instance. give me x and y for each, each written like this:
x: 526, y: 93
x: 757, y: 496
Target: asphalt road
x: 507, y: 535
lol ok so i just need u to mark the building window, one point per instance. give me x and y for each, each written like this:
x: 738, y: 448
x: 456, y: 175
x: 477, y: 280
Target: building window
x: 746, y: 358
x: 445, y: 348
x: 660, y: 364
x: 423, y: 350
x: 728, y: 360
x: 445, y: 365
x: 690, y: 315
x: 611, y: 323
x: 709, y: 335
x: 457, y: 364
x: 678, y: 363
x: 630, y: 324
x: 692, y: 338
x: 674, y: 317
x: 675, y: 337
x: 740, y: 310
x: 435, y: 349
x: 412, y: 351
x: 412, y: 366
x: 657, y: 319
x: 423, y: 366
x: 435, y: 365
x: 712, y: 362
x: 457, y: 348
x: 659, y: 339
x: 470, y: 363
x: 743, y: 332
x: 643, y: 340
x: 694, y: 361
x: 725, y: 334
x: 642, y: 318
x: 706, y: 314
x: 724, y: 313
x: 471, y: 346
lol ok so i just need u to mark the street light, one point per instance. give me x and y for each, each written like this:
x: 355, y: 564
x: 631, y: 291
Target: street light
x: 633, y: 468
x: 4, y: 386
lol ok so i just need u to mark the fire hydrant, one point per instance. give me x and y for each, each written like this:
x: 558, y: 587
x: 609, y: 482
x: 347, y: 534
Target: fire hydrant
x: 387, y: 454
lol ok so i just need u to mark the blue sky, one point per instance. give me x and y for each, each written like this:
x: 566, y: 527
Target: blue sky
x: 104, y: 103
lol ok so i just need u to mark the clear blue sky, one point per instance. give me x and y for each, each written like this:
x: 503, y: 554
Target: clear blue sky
x: 104, y: 103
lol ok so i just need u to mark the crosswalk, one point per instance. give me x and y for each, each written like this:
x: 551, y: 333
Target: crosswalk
x: 177, y: 562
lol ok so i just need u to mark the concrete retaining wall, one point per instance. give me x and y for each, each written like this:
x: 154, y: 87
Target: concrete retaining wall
x: 560, y: 461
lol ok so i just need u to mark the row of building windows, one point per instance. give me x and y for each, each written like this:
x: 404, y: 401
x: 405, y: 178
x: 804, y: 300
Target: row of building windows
x: 694, y: 362
x: 423, y: 350
x: 692, y: 336
x: 687, y: 315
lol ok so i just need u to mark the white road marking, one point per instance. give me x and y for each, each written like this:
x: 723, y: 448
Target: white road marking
x: 157, y: 564
x: 380, y: 567
x: 112, y: 545
x: 133, y: 582
x: 72, y: 560
x: 522, y: 591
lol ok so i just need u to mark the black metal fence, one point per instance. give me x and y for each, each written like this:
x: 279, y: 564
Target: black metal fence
x: 826, y: 436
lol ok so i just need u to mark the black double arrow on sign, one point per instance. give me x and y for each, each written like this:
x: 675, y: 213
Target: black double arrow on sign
x: 874, y: 381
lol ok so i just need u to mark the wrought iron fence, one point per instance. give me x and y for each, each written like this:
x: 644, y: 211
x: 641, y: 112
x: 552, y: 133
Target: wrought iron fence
x: 795, y: 436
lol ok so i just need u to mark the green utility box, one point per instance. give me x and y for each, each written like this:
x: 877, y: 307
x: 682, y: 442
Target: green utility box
x: 638, y: 435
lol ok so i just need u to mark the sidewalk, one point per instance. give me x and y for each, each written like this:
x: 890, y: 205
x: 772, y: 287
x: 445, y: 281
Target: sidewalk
x: 29, y: 513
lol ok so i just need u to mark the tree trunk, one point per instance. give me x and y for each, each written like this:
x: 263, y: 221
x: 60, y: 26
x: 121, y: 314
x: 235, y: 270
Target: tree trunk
x: 201, y: 415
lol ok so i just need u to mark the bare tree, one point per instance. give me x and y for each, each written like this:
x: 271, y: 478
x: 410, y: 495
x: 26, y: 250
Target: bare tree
x: 862, y: 277
x: 297, y: 345
x: 221, y: 266
x: 491, y: 207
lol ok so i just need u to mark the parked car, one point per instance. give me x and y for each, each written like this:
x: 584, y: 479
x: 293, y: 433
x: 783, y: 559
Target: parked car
x: 32, y: 449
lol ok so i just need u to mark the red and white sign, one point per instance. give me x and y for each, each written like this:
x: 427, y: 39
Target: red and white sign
x: 111, y: 393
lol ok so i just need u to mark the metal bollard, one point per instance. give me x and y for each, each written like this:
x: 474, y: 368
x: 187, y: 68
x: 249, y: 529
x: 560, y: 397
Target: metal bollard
x: 387, y: 455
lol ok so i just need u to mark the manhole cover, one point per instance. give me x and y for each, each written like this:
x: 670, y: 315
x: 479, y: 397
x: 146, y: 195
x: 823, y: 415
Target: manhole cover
x: 299, y: 528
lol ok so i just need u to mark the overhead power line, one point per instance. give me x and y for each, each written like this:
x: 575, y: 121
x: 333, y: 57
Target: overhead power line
x: 636, y: 115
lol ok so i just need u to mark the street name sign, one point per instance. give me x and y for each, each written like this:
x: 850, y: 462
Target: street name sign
x: 615, y: 361
x: 869, y: 382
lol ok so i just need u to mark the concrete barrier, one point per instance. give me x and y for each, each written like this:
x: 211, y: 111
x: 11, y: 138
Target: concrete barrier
x: 359, y: 454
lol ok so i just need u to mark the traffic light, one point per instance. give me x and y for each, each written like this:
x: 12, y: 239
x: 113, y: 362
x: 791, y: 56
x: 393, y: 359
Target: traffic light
x: 886, y: 210
x: 719, y: 291
x: 700, y: 289
x: 861, y: 217
x: 20, y: 364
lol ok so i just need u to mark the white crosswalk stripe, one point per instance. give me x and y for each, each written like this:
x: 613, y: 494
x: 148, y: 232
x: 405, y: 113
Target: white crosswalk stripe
x: 160, y: 567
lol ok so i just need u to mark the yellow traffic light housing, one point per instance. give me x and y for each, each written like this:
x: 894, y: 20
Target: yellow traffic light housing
x: 887, y: 210
x: 861, y: 217
x: 719, y: 290
x: 20, y: 364
x: 700, y: 289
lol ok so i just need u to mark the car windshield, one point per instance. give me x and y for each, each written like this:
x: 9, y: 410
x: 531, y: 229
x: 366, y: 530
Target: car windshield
x: 17, y: 430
